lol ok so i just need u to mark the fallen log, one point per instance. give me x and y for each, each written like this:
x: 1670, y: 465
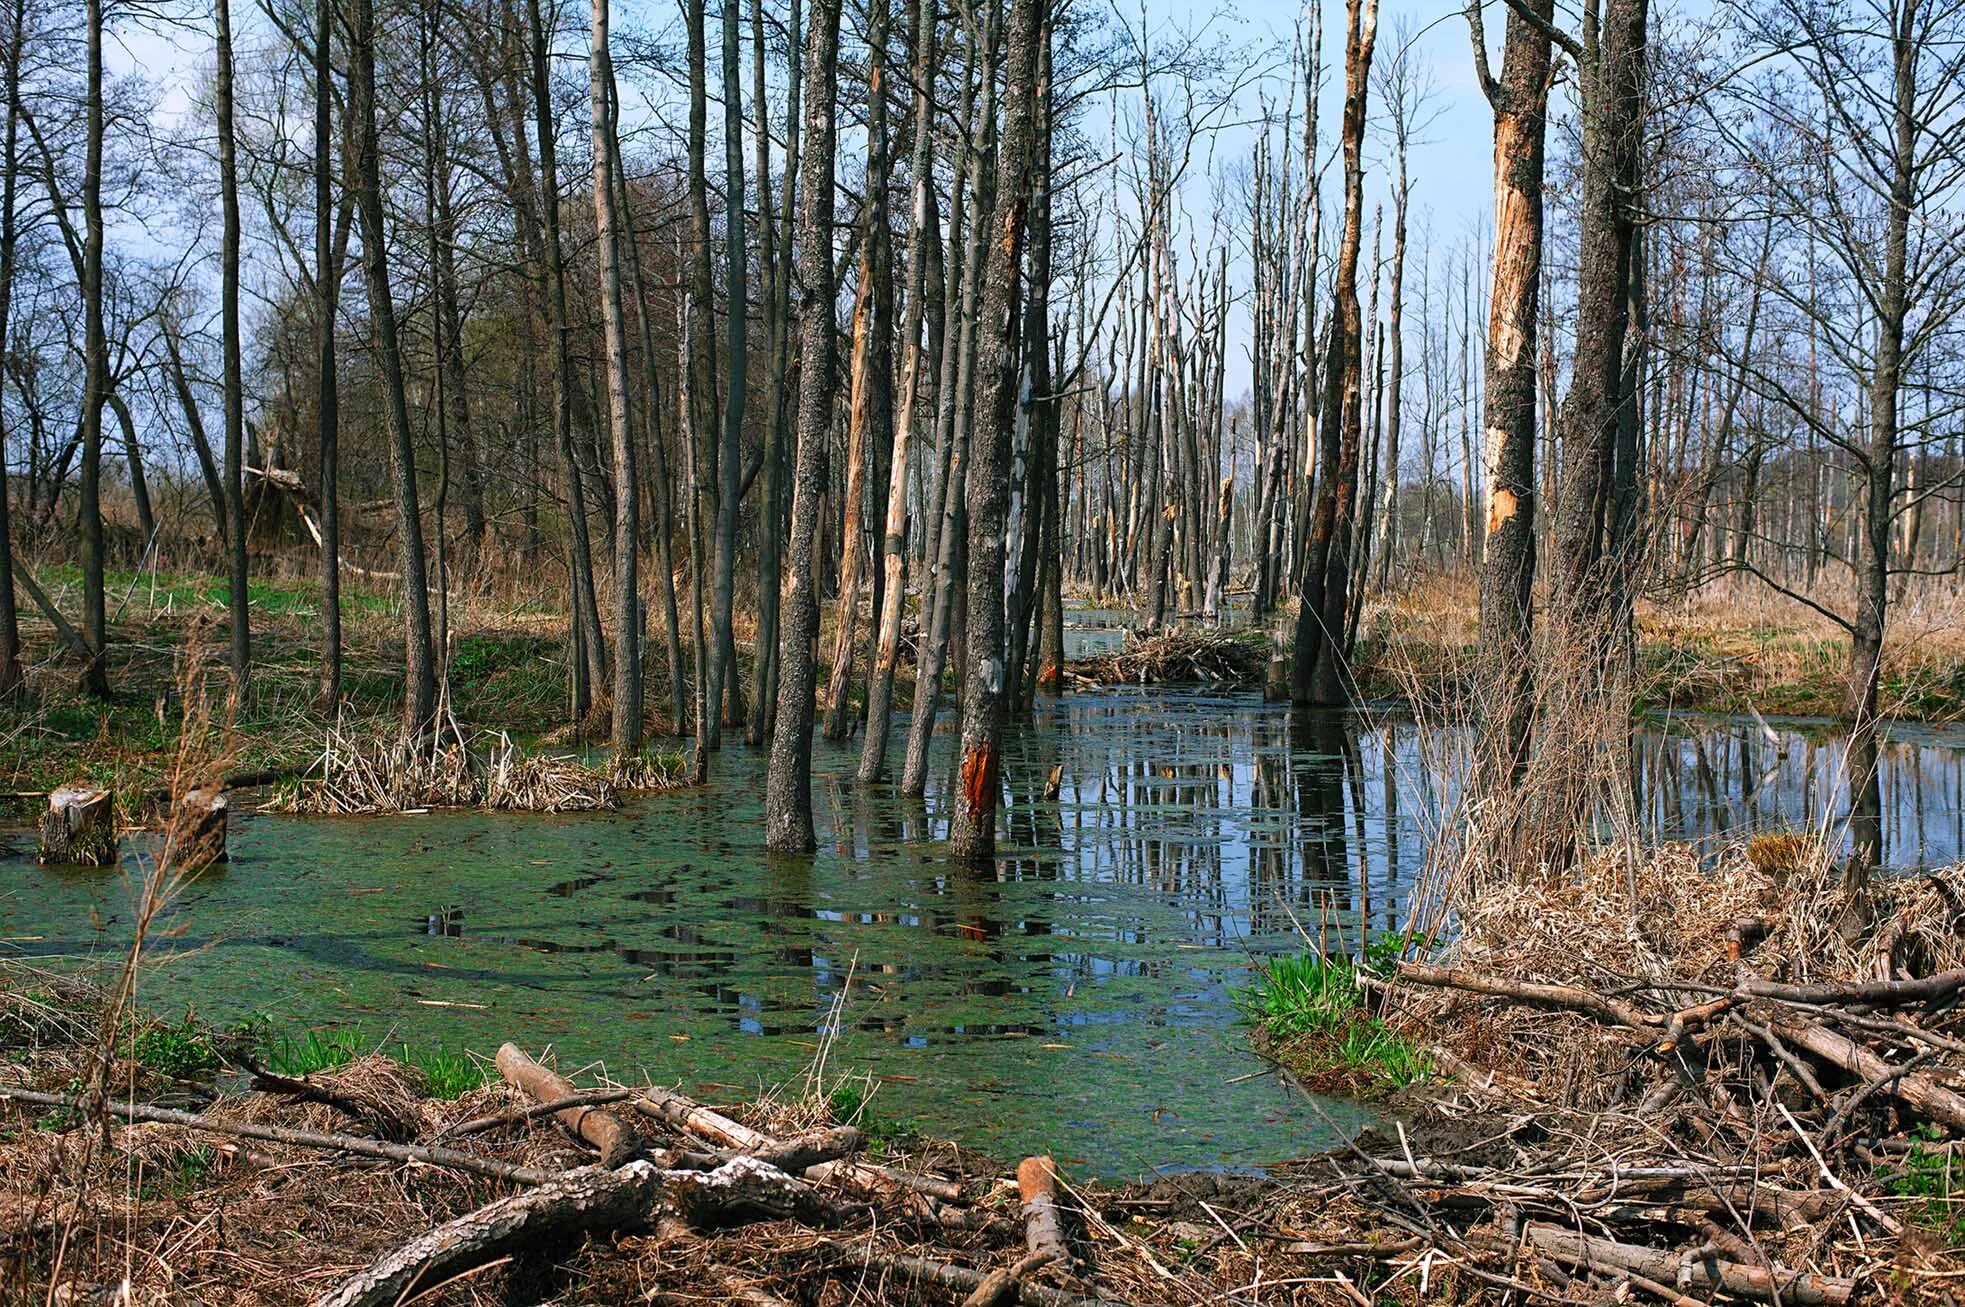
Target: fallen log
x: 1773, y: 1284
x: 1917, y: 1088
x: 1043, y: 1230
x: 613, y: 1138
x: 579, y: 1202
x: 428, y: 1156
x: 590, y: 1200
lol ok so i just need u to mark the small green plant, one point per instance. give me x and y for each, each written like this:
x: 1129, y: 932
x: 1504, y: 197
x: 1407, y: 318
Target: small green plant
x: 1313, y: 1007
x: 186, y: 1172
x: 848, y: 1100
x: 313, y: 1050
x: 446, y: 1072
x: 1928, y: 1175
x: 182, y: 1052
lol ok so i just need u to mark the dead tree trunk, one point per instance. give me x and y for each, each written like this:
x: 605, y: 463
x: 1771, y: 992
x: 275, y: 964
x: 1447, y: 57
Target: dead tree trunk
x: 1520, y: 102
x: 893, y: 543
x: 972, y: 824
x: 1318, y: 674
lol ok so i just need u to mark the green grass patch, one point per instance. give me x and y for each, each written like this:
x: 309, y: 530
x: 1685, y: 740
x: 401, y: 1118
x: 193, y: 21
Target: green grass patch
x: 182, y: 1052
x: 1930, y: 1174
x: 1312, y: 1011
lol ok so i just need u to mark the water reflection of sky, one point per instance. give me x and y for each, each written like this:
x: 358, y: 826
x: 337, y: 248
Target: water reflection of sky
x: 1075, y: 996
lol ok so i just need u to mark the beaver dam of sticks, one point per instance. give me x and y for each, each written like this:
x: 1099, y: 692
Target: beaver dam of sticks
x: 1668, y: 1081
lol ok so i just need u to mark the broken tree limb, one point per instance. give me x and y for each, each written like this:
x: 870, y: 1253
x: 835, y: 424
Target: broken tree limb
x: 1570, y: 998
x: 1043, y: 1230
x: 519, y: 1115
x: 1919, y: 1089
x: 1001, y: 1285
x: 579, y: 1202
x: 1861, y: 993
x: 1773, y: 1284
x: 671, y: 1108
x: 685, y: 1113
x: 69, y: 635
x: 444, y: 1157
x: 385, y: 1115
x: 961, y: 1279
x: 613, y: 1138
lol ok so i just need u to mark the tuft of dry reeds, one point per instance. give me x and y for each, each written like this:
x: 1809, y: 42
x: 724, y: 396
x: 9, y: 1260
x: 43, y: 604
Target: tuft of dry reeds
x: 394, y: 774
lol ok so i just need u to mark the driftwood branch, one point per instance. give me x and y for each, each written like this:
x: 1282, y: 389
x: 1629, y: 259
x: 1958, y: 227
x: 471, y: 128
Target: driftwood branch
x: 576, y: 1203
x: 444, y: 1157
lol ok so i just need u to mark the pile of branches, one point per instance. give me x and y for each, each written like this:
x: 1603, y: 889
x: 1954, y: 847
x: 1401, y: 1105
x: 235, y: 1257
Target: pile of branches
x: 346, y: 1188
x: 1684, y: 1082
x: 1228, y: 658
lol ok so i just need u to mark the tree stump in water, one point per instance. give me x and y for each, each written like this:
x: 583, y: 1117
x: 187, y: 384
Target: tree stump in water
x: 79, y: 827
x: 198, y: 818
x: 1276, y: 676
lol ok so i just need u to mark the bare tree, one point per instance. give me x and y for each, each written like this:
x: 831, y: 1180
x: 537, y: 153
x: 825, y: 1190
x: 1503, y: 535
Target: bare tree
x: 788, y: 782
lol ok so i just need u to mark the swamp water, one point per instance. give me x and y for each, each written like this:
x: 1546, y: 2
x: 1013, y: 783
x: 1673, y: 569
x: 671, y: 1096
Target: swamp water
x: 1077, y: 998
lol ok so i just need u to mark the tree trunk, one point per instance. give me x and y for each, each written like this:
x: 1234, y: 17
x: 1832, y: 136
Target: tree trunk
x: 12, y: 683
x: 724, y: 669
x: 777, y: 254
x: 327, y: 411
x: 916, y: 362
x: 588, y: 666
x: 419, y: 673
x: 628, y: 712
x: 788, y: 782
x: 95, y: 351
x: 1872, y: 554
x: 972, y: 823
x: 1520, y: 101
x: 1318, y: 674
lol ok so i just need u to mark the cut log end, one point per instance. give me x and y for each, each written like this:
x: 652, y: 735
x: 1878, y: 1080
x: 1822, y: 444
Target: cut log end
x: 79, y: 827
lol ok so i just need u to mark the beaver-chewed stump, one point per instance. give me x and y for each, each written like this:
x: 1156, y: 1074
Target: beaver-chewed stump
x: 198, y: 834
x: 79, y: 827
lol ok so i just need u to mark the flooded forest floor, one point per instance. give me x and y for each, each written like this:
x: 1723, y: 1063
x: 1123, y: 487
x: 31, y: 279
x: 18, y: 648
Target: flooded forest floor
x: 1724, y: 649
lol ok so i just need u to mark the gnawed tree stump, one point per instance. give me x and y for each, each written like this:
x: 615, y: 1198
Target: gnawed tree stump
x: 79, y: 827
x: 198, y: 828
x: 613, y: 1138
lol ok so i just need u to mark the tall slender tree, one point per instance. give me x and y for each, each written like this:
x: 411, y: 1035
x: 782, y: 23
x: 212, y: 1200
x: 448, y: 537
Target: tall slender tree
x: 1520, y: 100
x: 788, y: 780
x: 419, y: 666
x: 628, y: 712
x: 972, y: 820
x: 327, y: 408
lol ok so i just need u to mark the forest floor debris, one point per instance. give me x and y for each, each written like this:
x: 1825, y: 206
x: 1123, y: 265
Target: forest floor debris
x: 1657, y: 1080
x: 1731, y: 1077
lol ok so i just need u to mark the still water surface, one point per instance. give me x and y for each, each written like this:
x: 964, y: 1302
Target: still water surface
x: 1077, y: 997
